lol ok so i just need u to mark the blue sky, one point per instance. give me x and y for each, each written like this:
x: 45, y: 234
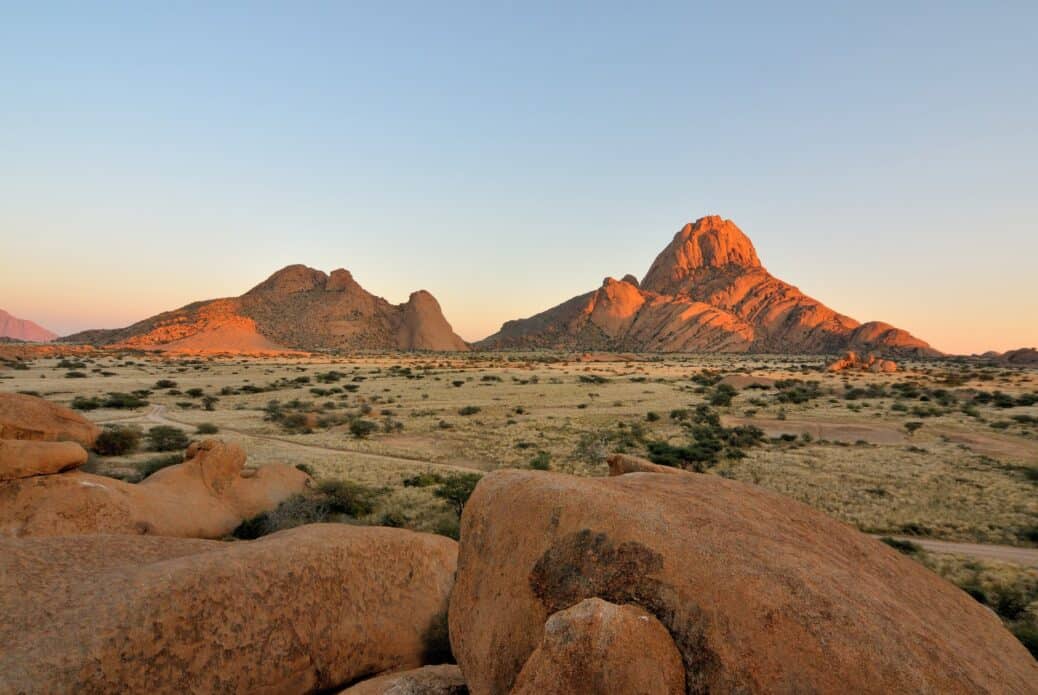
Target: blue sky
x: 883, y: 157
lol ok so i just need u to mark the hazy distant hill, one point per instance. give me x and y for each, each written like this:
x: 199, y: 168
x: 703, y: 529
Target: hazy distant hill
x: 296, y: 307
x: 23, y: 329
x: 707, y: 291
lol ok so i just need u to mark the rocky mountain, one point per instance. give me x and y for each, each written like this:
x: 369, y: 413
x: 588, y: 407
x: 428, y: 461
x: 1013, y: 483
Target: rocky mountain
x: 23, y: 329
x: 295, y: 308
x: 706, y: 292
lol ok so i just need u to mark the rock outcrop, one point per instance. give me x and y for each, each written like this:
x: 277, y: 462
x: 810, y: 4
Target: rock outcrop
x: 296, y: 308
x: 598, y: 648
x: 23, y: 329
x: 760, y: 594
x: 206, y: 496
x: 869, y: 363
x: 295, y: 612
x: 33, y: 418
x: 706, y: 292
x: 444, y: 679
x: 24, y: 459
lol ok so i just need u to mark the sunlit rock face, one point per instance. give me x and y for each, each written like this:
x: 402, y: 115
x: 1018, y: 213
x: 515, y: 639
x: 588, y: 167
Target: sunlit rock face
x: 707, y: 291
x: 296, y: 308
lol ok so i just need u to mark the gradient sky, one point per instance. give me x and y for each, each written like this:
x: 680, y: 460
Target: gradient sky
x: 882, y: 156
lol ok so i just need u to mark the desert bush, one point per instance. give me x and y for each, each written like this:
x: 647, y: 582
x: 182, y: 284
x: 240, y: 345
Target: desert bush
x: 165, y: 384
x: 123, y: 401
x: 469, y: 410
x: 167, y: 438
x: 456, y: 488
x: 84, y: 403
x: 331, y: 501
x: 206, y: 428
x: 361, y: 428
x: 541, y: 462
x: 116, y: 440
x: 75, y: 375
x: 592, y: 379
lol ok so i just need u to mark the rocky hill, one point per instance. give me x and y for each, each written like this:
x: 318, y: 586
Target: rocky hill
x: 23, y: 329
x: 706, y: 292
x: 295, y: 308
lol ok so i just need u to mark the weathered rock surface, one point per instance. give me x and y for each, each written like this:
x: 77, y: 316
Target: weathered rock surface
x: 445, y: 679
x: 298, y: 611
x: 761, y: 594
x: 23, y: 459
x: 33, y: 418
x: 622, y: 464
x: 854, y: 360
x: 295, y: 308
x: 207, y: 496
x: 599, y: 648
x: 23, y: 329
x: 706, y: 292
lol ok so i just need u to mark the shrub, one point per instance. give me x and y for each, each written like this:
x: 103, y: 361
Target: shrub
x: 541, y: 462
x: 123, y: 401
x: 165, y: 384
x: 652, y: 416
x: 209, y: 401
x: 722, y: 395
x: 75, y: 375
x: 166, y: 438
x: 457, y: 384
x: 207, y: 428
x: 911, y: 427
x: 905, y: 547
x: 117, y: 440
x: 360, y: 428
x: 469, y: 410
x: 331, y: 501
x: 83, y: 403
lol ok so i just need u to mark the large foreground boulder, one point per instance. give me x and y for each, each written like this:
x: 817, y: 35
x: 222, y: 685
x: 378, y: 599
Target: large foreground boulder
x: 760, y: 594
x: 301, y: 610
x: 445, y: 679
x: 24, y: 459
x: 599, y: 648
x: 206, y: 496
x: 30, y: 417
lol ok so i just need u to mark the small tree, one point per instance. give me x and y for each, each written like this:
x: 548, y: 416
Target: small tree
x: 166, y: 438
x: 911, y: 427
x: 209, y: 401
x: 362, y: 428
x: 456, y: 489
x: 117, y: 440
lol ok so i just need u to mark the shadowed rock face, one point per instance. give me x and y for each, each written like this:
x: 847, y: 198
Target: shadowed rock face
x: 706, y: 292
x: 760, y: 594
x: 23, y: 329
x: 295, y: 308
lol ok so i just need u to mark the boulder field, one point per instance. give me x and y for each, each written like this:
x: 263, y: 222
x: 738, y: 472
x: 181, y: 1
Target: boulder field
x: 654, y: 580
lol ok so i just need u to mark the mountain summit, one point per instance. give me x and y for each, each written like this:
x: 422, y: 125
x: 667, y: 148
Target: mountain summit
x: 705, y: 292
x: 296, y: 307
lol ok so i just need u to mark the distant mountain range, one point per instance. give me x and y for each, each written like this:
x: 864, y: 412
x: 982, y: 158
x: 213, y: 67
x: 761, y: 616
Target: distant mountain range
x: 23, y: 329
x: 295, y: 308
x: 706, y: 292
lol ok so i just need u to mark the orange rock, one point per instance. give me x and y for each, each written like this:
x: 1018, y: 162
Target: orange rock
x: 761, y: 594
x: 295, y: 308
x: 206, y: 496
x: 445, y: 679
x: 706, y: 292
x: 295, y: 612
x: 621, y: 464
x: 599, y: 648
x: 30, y: 417
x: 22, y: 459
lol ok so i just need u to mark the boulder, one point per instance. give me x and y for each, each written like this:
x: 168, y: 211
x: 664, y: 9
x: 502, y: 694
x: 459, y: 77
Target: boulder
x: 761, y: 594
x: 23, y: 459
x: 599, y: 648
x: 445, y: 679
x: 621, y: 464
x: 33, y: 418
x: 853, y: 360
x: 297, y: 611
x: 206, y: 496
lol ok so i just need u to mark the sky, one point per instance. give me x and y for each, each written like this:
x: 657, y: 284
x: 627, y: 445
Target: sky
x: 883, y: 157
